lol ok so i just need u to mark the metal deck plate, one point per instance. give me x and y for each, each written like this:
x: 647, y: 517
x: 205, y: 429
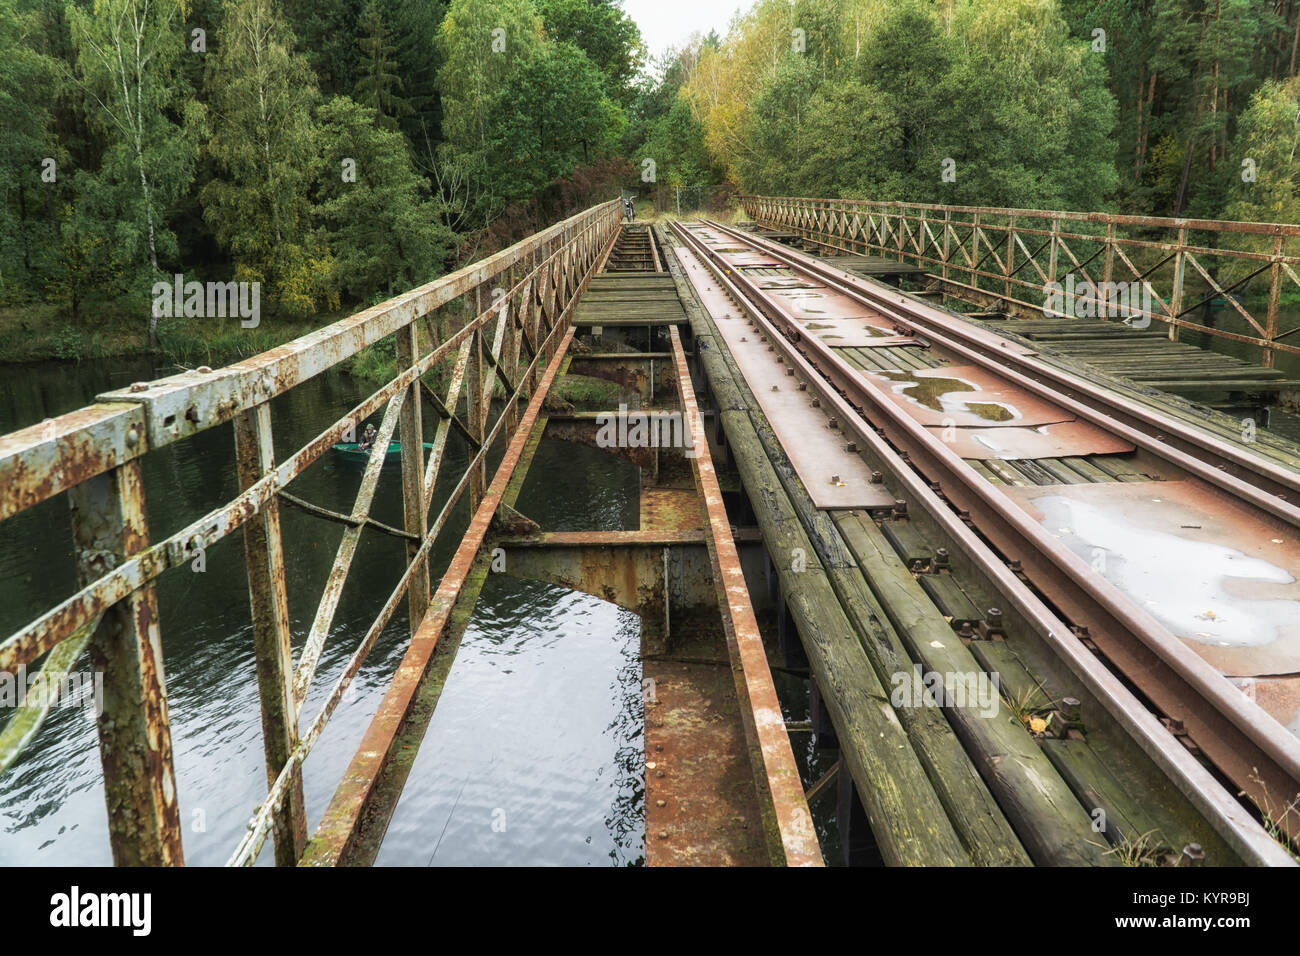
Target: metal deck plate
x: 1061, y: 440
x: 968, y: 397
x: 1213, y: 572
x: 816, y: 451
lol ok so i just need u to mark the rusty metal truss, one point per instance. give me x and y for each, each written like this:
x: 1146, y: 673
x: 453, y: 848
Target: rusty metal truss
x: 510, y: 321
x: 1006, y: 257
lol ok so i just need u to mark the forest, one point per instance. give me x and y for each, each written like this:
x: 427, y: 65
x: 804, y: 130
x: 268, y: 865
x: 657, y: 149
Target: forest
x: 339, y: 151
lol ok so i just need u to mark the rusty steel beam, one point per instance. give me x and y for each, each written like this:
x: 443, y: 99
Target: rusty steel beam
x: 264, y: 556
x: 339, y: 829
x: 135, y: 744
x: 347, y: 549
x: 776, y: 773
x: 649, y: 572
x: 38, y: 462
x: 414, y: 509
x: 191, y: 402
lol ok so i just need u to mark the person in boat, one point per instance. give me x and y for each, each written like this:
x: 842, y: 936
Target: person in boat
x: 367, y: 439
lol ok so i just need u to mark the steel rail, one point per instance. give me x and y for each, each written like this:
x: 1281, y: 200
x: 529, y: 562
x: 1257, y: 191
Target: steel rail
x: 1190, y: 448
x: 1208, y: 457
x: 1239, y: 736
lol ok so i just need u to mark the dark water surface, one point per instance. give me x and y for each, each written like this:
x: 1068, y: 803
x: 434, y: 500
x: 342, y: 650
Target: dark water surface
x: 534, y: 754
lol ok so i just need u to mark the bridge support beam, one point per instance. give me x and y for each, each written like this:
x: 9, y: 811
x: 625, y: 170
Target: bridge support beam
x: 264, y: 554
x: 135, y: 745
x: 657, y: 574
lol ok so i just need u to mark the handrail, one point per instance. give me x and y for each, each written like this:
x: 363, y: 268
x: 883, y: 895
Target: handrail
x: 1024, y: 260
x: 516, y: 306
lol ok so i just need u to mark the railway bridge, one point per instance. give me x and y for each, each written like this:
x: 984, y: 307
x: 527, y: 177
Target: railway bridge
x: 1022, y: 577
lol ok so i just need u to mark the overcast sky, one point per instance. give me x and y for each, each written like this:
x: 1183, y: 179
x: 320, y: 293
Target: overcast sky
x: 666, y: 23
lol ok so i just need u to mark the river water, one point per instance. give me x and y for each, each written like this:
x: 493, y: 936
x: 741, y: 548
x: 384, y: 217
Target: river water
x: 534, y: 755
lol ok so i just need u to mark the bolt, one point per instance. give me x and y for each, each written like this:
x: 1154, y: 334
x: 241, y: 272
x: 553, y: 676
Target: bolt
x: 139, y: 387
x: 775, y: 388
x: 816, y: 403
x: 941, y: 558
x: 192, y: 415
x: 789, y: 370
x: 833, y: 424
x: 965, y: 631
x: 900, y: 507
x: 1070, y: 709
x: 803, y: 386
x: 877, y: 478
x: 851, y: 447
x: 661, y: 803
x: 1193, y: 854
x: 203, y: 370
x: 132, y: 438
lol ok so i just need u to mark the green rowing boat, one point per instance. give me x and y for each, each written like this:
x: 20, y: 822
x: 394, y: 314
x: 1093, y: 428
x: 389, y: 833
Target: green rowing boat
x: 351, y: 451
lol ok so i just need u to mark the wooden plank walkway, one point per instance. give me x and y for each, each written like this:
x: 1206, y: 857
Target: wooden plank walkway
x: 1148, y: 357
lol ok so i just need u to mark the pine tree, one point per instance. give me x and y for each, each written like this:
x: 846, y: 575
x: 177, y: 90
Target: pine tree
x: 264, y: 146
x: 380, y: 87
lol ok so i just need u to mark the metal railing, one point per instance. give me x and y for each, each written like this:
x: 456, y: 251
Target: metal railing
x: 1017, y: 258
x: 517, y: 307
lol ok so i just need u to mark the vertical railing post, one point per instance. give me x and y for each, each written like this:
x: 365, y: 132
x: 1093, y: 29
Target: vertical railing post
x: 1007, y: 269
x: 898, y: 234
x: 1053, y: 240
x: 1108, y: 262
x: 1274, y: 298
x: 1176, y: 299
x: 974, y: 255
x: 411, y: 430
x: 474, y: 418
x: 264, y: 555
x: 948, y: 236
x: 135, y: 746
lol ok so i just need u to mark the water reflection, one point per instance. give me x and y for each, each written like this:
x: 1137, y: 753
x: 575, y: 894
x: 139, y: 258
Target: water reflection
x: 570, y: 734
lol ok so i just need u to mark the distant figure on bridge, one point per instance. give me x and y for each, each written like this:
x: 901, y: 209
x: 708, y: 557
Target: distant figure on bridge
x: 367, y: 439
x: 629, y: 209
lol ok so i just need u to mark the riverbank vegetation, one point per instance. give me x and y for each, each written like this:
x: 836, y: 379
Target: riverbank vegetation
x: 337, y: 151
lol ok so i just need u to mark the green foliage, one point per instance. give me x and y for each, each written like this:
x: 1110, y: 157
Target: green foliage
x: 24, y: 143
x: 1000, y: 96
x: 604, y: 32
x: 264, y: 147
x: 675, y: 141
x: 384, y: 231
x: 380, y: 87
x: 1263, y: 166
x: 482, y: 43
x: 552, y: 115
x: 126, y: 59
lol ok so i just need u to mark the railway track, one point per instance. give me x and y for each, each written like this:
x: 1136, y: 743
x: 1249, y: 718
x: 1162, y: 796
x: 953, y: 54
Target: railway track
x: 1155, y: 562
